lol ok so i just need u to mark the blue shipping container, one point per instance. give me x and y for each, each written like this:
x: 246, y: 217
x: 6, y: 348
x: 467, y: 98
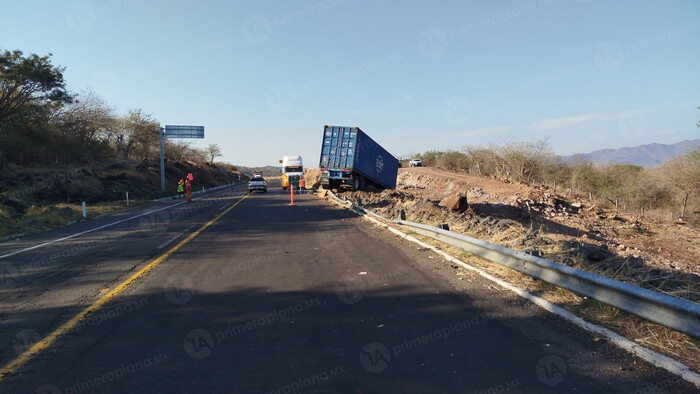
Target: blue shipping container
x: 348, y: 154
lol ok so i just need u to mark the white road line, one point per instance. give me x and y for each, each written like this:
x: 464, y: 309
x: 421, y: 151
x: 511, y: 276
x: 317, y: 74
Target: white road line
x: 169, y: 241
x: 224, y: 207
x: 87, y: 231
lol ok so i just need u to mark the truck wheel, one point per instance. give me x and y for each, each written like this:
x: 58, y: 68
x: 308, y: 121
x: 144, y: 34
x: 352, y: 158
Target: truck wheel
x: 358, y: 183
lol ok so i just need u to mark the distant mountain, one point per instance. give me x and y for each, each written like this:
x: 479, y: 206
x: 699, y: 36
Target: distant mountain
x: 644, y: 155
x: 267, y: 171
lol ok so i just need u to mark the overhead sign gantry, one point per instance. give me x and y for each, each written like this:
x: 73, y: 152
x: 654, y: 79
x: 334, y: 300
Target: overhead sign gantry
x: 176, y: 131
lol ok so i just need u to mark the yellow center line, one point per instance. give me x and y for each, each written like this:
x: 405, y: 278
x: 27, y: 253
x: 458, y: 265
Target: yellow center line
x: 47, y: 341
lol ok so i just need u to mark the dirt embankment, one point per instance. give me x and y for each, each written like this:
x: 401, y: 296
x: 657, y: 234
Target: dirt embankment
x: 561, y: 227
x: 37, y: 199
x: 312, y: 178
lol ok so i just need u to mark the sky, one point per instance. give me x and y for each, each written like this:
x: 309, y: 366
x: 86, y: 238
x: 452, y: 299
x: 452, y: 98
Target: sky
x: 264, y: 77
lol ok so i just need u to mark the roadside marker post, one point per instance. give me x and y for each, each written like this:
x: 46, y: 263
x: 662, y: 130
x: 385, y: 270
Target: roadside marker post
x: 84, y: 211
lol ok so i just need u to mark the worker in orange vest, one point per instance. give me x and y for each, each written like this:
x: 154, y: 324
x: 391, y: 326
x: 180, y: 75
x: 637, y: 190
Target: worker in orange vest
x: 302, y: 185
x: 188, y: 188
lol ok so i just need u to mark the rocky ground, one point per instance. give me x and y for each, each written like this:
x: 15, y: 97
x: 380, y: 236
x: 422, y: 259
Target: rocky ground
x: 559, y: 226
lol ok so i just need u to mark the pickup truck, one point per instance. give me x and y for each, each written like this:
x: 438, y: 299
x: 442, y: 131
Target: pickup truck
x: 257, y: 183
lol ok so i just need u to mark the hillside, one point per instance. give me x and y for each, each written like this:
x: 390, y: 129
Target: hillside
x: 36, y: 199
x: 643, y: 155
x: 267, y: 171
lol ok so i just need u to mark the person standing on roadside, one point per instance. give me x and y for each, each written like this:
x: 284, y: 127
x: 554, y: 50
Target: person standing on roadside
x: 188, y: 189
x: 181, y: 188
x: 302, y: 185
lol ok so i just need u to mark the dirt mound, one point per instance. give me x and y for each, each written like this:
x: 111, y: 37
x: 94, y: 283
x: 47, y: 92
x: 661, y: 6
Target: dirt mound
x: 312, y: 178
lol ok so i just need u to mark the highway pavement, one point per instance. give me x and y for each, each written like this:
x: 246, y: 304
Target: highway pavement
x: 247, y: 294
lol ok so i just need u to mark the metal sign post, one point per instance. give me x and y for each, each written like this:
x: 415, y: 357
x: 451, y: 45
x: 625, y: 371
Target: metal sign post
x: 162, y: 161
x: 170, y: 131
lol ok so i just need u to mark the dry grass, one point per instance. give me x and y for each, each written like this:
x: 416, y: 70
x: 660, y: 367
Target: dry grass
x: 42, y: 218
x: 508, y: 236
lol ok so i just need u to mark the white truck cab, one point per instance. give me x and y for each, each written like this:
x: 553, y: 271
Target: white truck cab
x: 292, y: 166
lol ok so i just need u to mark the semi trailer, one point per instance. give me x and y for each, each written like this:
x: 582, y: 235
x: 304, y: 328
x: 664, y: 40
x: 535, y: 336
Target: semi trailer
x: 349, y: 157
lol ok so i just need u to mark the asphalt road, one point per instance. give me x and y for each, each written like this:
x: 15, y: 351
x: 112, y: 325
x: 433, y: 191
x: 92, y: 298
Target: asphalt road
x: 274, y: 298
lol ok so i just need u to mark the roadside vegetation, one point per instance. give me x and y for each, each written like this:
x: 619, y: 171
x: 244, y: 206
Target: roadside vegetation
x: 59, y: 147
x: 43, y: 123
x: 669, y: 192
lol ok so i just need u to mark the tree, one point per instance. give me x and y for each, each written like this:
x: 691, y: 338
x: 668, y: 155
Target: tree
x: 430, y: 157
x: 134, y: 135
x: 176, y: 150
x: 213, y: 151
x: 650, y: 193
x: 621, y: 182
x: 453, y: 161
x: 480, y: 159
x: 29, y: 83
x: 82, y: 125
x: 584, y: 176
x: 683, y: 172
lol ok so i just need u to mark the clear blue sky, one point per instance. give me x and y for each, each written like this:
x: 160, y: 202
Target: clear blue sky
x: 263, y: 77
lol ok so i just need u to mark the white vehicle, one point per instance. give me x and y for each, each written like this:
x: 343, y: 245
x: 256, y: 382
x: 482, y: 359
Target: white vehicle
x: 291, y: 167
x: 415, y: 163
x: 257, y: 183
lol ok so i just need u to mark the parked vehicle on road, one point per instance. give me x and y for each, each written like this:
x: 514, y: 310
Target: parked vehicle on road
x: 257, y: 183
x: 350, y: 157
x: 415, y: 163
x: 292, y: 166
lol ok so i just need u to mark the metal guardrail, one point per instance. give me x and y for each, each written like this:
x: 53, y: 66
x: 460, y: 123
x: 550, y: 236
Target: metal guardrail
x: 678, y: 314
x: 234, y: 185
